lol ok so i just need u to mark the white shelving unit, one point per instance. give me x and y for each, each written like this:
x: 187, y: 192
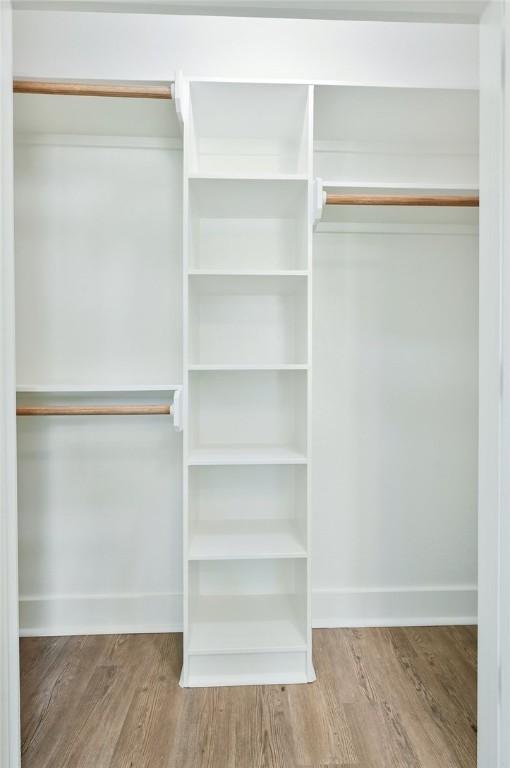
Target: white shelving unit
x: 248, y: 184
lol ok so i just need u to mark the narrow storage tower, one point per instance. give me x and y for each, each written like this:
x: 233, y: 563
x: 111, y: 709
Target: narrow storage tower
x: 248, y: 192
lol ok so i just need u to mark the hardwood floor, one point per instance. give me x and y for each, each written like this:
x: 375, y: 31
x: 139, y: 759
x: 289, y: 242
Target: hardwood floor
x: 384, y: 698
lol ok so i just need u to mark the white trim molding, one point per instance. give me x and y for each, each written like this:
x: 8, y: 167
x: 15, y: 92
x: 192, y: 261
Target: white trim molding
x: 42, y: 615
x: 100, y: 614
x: 444, y: 11
x: 9, y: 654
x: 399, y: 607
x: 494, y: 364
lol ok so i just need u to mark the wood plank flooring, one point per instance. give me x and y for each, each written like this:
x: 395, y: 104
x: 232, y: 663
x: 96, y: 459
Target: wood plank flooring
x: 384, y: 698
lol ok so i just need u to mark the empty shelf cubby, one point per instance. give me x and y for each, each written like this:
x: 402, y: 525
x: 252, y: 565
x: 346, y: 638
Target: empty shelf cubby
x: 247, y: 512
x: 247, y: 606
x: 248, y: 320
x: 248, y: 129
x: 247, y: 225
x: 247, y: 417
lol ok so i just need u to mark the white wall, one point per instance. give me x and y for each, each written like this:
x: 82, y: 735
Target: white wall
x: 395, y: 360
x: 395, y: 430
x: 98, y: 289
x: 138, y: 47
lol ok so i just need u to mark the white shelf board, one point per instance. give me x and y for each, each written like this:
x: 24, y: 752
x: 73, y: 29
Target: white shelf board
x: 249, y: 367
x: 248, y: 273
x: 244, y: 539
x: 356, y: 185
x: 254, y: 454
x: 251, y: 176
x: 244, y: 624
x: 95, y: 388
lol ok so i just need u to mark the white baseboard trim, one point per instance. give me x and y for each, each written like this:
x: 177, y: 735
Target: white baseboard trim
x: 99, y: 614
x: 162, y: 612
x: 424, y: 606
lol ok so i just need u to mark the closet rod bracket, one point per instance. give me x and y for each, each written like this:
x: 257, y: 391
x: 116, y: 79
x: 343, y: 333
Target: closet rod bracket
x: 176, y: 410
x: 180, y: 95
x: 319, y: 200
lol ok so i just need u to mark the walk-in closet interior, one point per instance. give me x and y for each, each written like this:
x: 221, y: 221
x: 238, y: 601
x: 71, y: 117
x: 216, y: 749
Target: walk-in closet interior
x: 246, y: 332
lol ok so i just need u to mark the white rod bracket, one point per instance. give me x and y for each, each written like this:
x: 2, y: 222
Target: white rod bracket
x: 319, y: 200
x: 176, y: 410
x: 180, y: 92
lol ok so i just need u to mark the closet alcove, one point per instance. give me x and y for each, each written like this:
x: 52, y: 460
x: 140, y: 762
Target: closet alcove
x: 98, y: 219
x: 192, y: 251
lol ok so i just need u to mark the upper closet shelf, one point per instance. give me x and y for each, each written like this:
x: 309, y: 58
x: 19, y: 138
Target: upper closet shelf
x: 389, y: 187
x: 77, y: 389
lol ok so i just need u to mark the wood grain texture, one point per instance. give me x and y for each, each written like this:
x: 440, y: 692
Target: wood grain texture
x: 94, y: 410
x: 62, y: 88
x: 434, y: 201
x: 384, y: 698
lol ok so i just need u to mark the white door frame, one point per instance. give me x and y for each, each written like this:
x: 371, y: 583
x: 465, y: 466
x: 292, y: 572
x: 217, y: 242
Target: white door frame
x: 494, y: 426
x: 494, y: 421
x: 9, y: 654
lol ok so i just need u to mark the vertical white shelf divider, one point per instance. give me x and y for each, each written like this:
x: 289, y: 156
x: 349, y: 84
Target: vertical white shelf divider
x: 181, y: 96
x: 247, y: 304
x: 309, y: 253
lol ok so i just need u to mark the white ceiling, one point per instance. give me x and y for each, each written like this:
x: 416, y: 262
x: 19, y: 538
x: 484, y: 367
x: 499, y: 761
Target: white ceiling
x: 446, y: 11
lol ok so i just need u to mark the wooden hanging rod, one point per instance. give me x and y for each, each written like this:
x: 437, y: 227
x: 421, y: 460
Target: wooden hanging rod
x: 55, y: 88
x: 457, y: 201
x: 95, y: 410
